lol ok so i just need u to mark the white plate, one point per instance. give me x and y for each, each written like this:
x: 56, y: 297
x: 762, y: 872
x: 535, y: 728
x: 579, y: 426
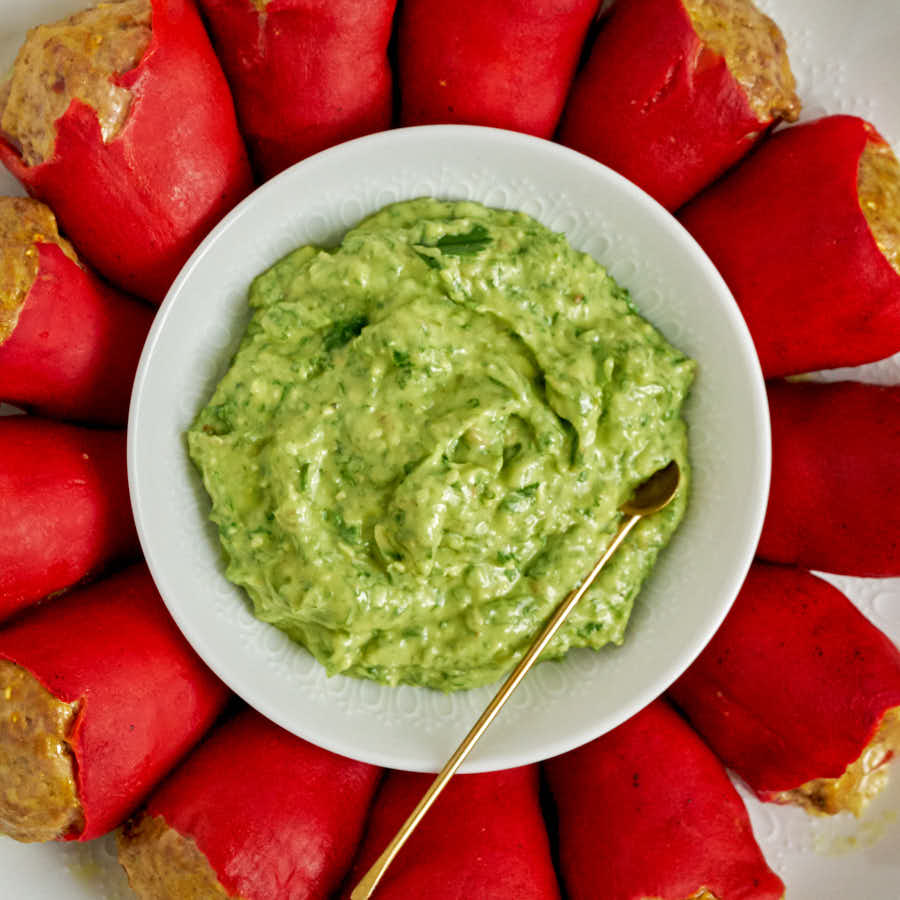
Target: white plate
x: 559, y: 706
x: 846, y: 61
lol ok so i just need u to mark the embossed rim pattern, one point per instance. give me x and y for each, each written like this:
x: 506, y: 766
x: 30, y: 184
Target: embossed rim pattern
x: 560, y: 705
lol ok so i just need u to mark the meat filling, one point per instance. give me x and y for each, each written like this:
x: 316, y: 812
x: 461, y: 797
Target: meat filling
x: 164, y: 865
x: 755, y: 52
x: 23, y: 223
x: 878, y: 183
x: 861, y: 781
x: 75, y: 58
x: 38, y: 794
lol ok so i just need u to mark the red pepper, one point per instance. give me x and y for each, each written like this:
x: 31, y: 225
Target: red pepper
x: 484, y: 837
x: 787, y: 233
x: 306, y: 74
x: 834, y: 501
x: 656, y: 104
x: 504, y: 63
x: 145, y: 696
x: 300, y: 809
x: 793, y: 685
x: 137, y: 207
x: 648, y: 811
x: 64, y: 507
x: 76, y: 345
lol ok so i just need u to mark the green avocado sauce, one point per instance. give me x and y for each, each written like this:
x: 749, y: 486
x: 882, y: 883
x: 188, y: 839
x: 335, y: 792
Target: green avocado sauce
x: 424, y: 438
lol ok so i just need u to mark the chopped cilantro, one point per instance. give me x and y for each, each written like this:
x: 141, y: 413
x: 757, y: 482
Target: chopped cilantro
x: 429, y: 261
x: 401, y: 359
x: 349, y: 534
x: 516, y: 500
x: 467, y: 244
x: 343, y: 331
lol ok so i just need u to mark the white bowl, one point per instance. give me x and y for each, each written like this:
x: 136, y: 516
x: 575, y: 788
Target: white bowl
x: 559, y: 705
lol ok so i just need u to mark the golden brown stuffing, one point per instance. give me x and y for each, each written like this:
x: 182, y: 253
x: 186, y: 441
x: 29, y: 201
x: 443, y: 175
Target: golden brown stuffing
x: 23, y: 223
x: 878, y: 184
x: 38, y: 795
x: 164, y: 865
x: 755, y: 52
x: 75, y: 58
x: 861, y: 781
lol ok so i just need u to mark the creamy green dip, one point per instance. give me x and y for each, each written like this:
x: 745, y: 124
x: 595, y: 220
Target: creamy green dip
x: 424, y: 438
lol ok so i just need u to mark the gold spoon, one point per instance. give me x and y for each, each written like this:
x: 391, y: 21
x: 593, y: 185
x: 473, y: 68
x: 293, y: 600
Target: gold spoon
x: 649, y: 497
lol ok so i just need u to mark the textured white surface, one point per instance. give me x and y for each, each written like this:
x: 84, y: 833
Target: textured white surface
x: 846, y: 59
x: 559, y: 705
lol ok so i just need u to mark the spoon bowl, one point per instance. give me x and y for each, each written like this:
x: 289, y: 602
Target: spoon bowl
x: 656, y: 492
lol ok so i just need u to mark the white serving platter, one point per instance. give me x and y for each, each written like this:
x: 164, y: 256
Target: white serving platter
x: 846, y: 60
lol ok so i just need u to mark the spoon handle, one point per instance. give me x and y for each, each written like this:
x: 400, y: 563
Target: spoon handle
x: 370, y: 880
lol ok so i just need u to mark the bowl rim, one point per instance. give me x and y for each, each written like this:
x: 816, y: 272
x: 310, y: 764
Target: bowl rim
x: 549, y: 746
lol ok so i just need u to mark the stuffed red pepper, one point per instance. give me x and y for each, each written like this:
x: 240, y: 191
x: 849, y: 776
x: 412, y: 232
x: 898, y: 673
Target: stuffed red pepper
x: 489, y: 62
x: 798, y: 693
x: 306, y: 74
x: 65, y: 513
x: 119, y: 117
x: 676, y: 91
x: 807, y: 234
x: 647, y: 811
x: 301, y: 811
x: 834, y: 501
x: 69, y: 344
x: 484, y: 837
x: 100, y: 696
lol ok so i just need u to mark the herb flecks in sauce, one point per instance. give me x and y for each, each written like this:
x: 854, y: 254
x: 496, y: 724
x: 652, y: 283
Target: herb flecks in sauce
x: 423, y: 441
